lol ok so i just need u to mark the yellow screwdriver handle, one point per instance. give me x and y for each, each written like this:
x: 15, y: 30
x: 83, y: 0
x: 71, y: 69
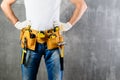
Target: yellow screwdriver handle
x: 23, y: 54
x: 41, y: 35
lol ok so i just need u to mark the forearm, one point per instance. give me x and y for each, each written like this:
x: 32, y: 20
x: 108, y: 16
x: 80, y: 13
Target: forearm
x: 9, y: 12
x: 78, y: 12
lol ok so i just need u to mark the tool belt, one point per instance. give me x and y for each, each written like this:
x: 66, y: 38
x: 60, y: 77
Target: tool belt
x: 52, y: 37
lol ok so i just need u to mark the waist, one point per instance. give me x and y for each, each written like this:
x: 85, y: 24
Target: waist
x: 44, y: 26
x: 46, y: 31
x: 52, y: 37
x: 41, y: 28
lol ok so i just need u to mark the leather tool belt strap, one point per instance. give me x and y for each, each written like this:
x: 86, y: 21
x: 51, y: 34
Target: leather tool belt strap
x: 52, y: 37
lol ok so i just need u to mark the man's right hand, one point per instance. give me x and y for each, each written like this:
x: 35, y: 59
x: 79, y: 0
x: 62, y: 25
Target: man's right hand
x: 21, y: 25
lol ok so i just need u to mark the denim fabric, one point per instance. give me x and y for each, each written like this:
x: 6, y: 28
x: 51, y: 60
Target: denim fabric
x: 52, y: 61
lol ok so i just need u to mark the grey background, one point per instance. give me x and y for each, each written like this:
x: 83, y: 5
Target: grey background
x: 93, y: 45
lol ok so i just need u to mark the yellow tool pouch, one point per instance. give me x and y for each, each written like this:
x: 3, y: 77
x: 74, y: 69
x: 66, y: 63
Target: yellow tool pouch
x: 51, y: 37
x: 30, y: 37
x: 53, y: 40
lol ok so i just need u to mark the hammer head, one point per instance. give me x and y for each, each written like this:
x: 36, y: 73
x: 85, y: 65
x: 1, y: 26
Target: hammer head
x: 61, y: 43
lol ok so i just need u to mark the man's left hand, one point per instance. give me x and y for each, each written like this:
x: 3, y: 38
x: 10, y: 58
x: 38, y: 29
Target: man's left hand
x: 65, y: 26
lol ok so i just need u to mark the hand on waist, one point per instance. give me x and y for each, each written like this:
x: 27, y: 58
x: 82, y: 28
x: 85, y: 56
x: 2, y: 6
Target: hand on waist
x: 64, y: 26
x: 20, y: 25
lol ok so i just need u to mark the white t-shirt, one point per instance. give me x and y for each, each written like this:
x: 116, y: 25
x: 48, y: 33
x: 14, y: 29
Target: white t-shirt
x: 42, y: 13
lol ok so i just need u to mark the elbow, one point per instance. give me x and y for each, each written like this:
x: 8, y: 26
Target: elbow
x: 82, y: 5
x: 3, y: 5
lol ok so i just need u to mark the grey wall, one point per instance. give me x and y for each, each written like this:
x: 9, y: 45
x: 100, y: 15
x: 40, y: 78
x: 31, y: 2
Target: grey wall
x: 93, y: 45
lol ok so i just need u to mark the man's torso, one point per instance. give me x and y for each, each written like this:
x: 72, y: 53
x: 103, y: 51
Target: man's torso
x: 42, y: 13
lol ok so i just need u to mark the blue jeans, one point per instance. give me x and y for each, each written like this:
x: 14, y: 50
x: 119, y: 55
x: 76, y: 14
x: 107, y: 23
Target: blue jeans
x: 52, y: 61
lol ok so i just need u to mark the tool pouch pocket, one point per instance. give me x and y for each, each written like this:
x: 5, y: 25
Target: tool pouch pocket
x: 52, y: 43
x: 30, y: 37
